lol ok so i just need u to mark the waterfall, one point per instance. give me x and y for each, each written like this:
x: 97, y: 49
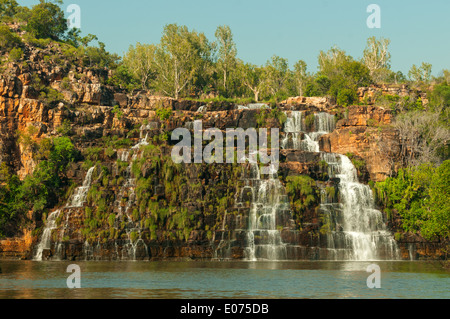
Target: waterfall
x: 269, y: 201
x: 79, y: 197
x: 77, y: 200
x: 356, y: 228
x: 131, y: 249
x: 46, y: 242
x: 362, y: 233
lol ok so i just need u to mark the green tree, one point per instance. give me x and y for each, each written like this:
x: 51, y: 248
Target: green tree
x: 420, y: 74
x: 47, y: 20
x: 300, y: 77
x: 276, y: 74
x: 8, y: 8
x: 227, y: 52
x: 182, y: 59
x: 252, y: 77
x: 8, y: 39
x: 140, y: 60
x: 344, y: 75
x: 377, y: 57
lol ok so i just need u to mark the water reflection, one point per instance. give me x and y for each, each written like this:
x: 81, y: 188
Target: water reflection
x: 197, y: 280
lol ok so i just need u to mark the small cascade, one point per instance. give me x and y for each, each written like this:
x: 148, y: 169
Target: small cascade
x: 294, y: 131
x: 268, y: 203
x: 224, y: 248
x: 360, y: 232
x: 356, y: 230
x: 79, y: 197
x: 128, y: 190
x: 77, y: 200
x: 135, y: 248
x: 254, y: 106
x: 142, y: 138
x: 46, y: 241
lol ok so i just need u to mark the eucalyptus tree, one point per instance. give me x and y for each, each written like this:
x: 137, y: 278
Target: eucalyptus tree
x: 421, y: 74
x: 140, y: 60
x: 300, y: 77
x: 182, y: 59
x: 253, y: 78
x: 227, y: 52
x: 276, y: 74
x: 377, y: 58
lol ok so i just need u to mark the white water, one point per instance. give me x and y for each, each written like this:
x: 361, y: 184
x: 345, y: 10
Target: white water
x: 79, y: 197
x: 254, y: 106
x: 128, y: 190
x: 46, y: 236
x: 77, y: 200
x: 362, y: 233
x: 357, y: 229
x: 268, y: 201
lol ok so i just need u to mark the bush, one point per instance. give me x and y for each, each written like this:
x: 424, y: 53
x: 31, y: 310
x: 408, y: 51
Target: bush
x: 164, y: 113
x: 47, y: 20
x: 347, y: 97
x: 420, y: 195
x: 8, y: 39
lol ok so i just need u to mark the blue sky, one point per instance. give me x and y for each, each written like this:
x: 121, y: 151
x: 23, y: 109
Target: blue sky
x: 294, y: 29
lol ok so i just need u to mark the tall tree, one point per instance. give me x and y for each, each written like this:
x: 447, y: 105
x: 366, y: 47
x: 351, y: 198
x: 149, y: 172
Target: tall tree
x: 420, y: 74
x: 377, y: 57
x: 252, y: 77
x: 47, y: 20
x: 180, y: 59
x: 140, y: 60
x: 276, y: 74
x: 226, y: 54
x: 300, y: 76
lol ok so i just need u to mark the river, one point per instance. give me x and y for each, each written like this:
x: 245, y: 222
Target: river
x: 227, y: 279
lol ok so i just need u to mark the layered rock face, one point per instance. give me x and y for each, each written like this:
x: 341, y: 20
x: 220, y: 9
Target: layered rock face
x: 369, y: 95
x: 132, y: 202
x: 367, y: 134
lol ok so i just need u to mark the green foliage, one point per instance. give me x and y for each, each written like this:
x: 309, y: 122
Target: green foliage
x: 123, y: 78
x: 8, y: 39
x: 47, y: 20
x: 302, y: 192
x: 117, y: 111
x: 8, y: 8
x: 421, y: 196
x: 440, y: 97
x: 39, y: 191
x: 346, y: 97
x: 164, y: 113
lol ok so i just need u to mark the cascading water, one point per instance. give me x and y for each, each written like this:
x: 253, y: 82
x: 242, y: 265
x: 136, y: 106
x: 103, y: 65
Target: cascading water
x: 46, y: 242
x: 133, y: 245
x: 79, y: 197
x: 268, y: 202
x: 361, y: 233
x: 356, y: 229
x: 77, y: 200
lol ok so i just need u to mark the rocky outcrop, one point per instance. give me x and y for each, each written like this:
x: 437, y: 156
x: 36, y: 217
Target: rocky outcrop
x: 366, y: 132
x: 369, y: 95
x: 320, y: 103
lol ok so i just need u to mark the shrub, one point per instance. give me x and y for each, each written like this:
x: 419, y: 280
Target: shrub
x: 164, y: 113
x: 47, y: 20
x: 8, y: 39
x: 346, y: 97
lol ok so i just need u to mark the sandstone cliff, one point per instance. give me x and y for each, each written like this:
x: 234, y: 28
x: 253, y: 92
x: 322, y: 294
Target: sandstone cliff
x: 172, y: 211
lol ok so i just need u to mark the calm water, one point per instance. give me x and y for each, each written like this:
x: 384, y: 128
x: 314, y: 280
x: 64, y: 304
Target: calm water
x: 244, y: 280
